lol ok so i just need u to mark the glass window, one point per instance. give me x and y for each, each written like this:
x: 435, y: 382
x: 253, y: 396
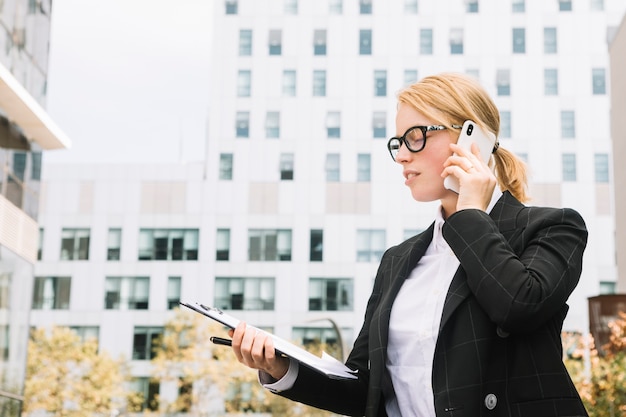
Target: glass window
x: 471, y: 6
x: 148, y: 390
x: 114, y: 244
x: 245, y: 42
x: 363, y: 167
x: 145, y: 340
x: 35, y: 169
x: 87, y: 332
x: 333, y: 124
x: 518, y: 6
x: 365, y: 42
x: 601, y: 167
x: 319, y: 42
x: 316, y: 245
x: 275, y: 42
x: 505, y: 124
x: 568, y: 126
x: 74, y: 244
x: 226, y: 166
x: 550, y: 82
x: 365, y: 6
x: 39, y: 241
x: 380, y: 83
x: 332, y: 167
x: 235, y: 293
x: 331, y: 294
x: 599, y: 81
x: 410, y: 76
x: 4, y: 342
x: 519, y: 40
x: 173, y: 292
x: 168, y: 244
x: 231, y: 6
x: 426, y: 41
x: 272, y: 124
x: 409, y: 233
x: 565, y: 5
x: 314, y: 336
x: 335, y: 6
x: 569, y: 166
x: 222, y: 246
x: 597, y: 4
x: 244, y: 83
x: 291, y: 6
x: 319, y: 83
x: 410, y: 6
x: 126, y: 293
x: 503, y: 82
x: 5, y: 291
x: 456, y: 41
x: 289, y: 83
x: 608, y: 287
x: 269, y: 245
x: 379, y: 124
x: 286, y: 166
x: 549, y: 41
x: 51, y: 293
x: 370, y: 245
x: 242, y: 124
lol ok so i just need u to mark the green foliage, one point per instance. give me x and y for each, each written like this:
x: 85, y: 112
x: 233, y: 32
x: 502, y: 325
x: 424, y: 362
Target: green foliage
x: 602, y: 385
x: 67, y: 377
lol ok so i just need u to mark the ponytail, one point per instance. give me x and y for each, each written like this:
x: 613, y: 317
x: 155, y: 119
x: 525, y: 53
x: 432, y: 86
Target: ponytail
x: 511, y: 174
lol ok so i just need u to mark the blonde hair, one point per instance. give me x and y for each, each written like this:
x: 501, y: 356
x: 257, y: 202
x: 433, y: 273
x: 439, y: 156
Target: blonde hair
x: 451, y: 99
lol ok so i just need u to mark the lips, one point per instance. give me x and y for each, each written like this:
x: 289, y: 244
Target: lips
x: 409, y: 175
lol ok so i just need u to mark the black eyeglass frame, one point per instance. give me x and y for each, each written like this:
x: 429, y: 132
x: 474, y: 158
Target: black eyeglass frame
x: 393, y: 149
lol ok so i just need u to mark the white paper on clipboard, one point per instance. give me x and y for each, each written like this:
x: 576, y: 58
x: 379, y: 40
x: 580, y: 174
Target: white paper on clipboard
x: 326, y: 364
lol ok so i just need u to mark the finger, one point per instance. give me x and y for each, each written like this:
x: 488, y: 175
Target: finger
x: 237, y: 339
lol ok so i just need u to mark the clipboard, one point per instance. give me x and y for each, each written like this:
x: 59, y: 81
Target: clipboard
x: 325, y: 364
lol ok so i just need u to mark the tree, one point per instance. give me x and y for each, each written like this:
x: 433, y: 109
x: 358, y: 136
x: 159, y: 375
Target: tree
x: 68, y: 377
x: 603, y: 386
x: 205, y: 371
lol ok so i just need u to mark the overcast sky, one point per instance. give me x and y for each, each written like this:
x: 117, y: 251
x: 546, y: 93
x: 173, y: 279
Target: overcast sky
x: 128, y: 79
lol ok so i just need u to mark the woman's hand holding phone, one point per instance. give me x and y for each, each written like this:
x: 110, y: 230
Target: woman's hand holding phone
x: 467, y: 171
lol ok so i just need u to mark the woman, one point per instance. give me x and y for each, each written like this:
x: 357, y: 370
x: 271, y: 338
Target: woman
x: 465, y: 318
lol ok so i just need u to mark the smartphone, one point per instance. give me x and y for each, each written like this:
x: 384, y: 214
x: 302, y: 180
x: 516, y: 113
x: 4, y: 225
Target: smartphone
x: 471, y: 132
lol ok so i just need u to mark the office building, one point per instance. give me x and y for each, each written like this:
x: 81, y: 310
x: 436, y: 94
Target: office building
x: 284, y: 220
x: 25, y: 131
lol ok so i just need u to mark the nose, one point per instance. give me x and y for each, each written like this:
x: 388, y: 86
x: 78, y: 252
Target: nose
x: 403, y: 154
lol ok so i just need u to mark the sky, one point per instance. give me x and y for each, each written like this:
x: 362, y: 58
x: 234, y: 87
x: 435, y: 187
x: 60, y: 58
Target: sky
x: 128, y: 79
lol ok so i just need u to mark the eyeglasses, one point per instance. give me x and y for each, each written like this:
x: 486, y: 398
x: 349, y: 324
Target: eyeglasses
x: 414, y: 139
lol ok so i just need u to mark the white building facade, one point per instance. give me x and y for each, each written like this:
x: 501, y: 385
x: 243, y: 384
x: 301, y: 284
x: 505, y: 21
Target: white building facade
x: 285, y: 218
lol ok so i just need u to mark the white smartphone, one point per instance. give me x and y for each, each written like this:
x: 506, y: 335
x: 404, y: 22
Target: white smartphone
x: 471, y: 132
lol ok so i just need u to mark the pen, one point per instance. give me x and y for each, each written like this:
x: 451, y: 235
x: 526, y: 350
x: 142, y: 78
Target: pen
x: 221, y: 341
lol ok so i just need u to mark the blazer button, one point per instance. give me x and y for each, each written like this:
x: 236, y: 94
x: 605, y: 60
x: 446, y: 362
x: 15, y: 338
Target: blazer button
x: 502, y: 333
x: 490, y: 401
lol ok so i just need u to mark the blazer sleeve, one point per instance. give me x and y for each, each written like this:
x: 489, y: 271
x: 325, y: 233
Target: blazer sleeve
x: 523, y: 279
x: 349, y: 396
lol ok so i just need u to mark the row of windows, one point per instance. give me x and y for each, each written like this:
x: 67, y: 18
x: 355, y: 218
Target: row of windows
x: 263, y: 244
x: 333, y: 166
x: 379, y: 88
x: 456, y: 39
x: 379, y: 125
x: 335, y: 7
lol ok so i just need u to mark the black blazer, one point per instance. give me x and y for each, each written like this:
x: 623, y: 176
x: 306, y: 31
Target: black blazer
x: 499, y: 350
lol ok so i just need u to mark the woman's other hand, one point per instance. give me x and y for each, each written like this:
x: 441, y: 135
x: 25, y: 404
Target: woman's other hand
x: 255, y: 349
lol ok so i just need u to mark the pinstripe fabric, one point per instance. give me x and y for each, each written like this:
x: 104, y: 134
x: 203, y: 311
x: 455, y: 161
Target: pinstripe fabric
x: 499, y: 349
